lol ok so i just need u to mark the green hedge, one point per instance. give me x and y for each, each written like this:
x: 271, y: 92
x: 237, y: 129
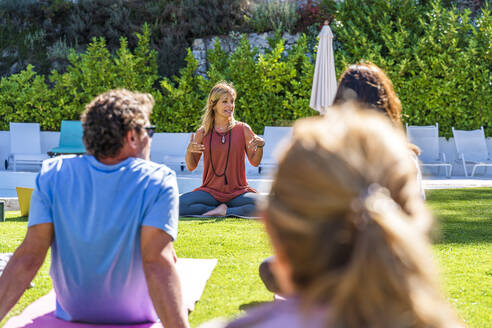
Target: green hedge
x: 273, y: 89
x: 26, y: 97
x: 439, y: 60
x: 39, y: 32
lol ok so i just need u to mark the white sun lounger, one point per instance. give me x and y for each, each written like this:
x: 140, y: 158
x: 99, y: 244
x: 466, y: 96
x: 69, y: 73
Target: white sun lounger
x: 427, y: 139
x: 25, y: 145
x: 170, y: 148
x: 274, y: 136
x: 472, y: 149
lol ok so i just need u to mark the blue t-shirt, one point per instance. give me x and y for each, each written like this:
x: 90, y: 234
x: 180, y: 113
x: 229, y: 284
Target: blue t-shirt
x: 97, y: 211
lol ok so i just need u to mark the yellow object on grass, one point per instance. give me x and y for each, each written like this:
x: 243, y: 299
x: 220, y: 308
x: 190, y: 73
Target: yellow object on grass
x: 24, y: 196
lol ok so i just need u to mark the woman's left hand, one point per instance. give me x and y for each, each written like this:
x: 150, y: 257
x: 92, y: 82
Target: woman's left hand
x: 256, y: 142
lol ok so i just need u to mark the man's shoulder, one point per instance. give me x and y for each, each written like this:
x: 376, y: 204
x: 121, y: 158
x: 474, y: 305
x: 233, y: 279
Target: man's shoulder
x: 151, y: 169
x: 56, y: 164
x: 57, y: 169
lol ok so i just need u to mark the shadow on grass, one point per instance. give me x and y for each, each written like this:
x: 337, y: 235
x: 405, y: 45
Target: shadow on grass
x: 208, y: 219
x: 451, y: 195
x: 464, y: 215
x: 251, y: 305
x: 457, y: 229
x: 16, y: 219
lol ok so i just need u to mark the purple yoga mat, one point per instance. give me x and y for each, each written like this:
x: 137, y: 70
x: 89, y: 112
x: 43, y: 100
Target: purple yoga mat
x: 193, y: 274
x: 41, y: 314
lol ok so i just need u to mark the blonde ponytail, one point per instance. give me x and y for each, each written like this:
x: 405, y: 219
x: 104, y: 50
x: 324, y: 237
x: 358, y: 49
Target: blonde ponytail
x: 346, y: 211
x: 387, y: 246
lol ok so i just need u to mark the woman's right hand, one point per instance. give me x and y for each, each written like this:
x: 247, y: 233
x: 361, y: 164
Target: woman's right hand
x: 195, y: 147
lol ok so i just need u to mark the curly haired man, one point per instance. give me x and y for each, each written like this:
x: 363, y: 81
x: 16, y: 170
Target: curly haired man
x: 110, y: 218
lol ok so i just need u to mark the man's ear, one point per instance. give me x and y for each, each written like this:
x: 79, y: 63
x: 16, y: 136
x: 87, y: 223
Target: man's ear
x: 131, y: 139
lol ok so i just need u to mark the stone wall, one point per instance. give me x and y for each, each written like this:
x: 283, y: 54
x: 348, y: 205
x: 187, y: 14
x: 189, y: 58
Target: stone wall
x: 231, y: 41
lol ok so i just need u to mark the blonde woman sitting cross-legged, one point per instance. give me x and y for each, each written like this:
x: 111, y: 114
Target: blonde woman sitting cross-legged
x: 224, y: 143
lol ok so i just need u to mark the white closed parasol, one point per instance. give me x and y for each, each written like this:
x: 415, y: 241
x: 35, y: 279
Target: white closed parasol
x: 324, y: 79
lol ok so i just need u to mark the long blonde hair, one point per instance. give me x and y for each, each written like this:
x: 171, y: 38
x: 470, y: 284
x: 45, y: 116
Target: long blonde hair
x: 346, y: 212
x: 220, y: 89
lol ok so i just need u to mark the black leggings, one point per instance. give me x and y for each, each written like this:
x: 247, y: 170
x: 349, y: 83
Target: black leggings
x: 199, y: 202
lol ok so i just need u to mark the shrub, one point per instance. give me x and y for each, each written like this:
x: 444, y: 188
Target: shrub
x: 110, y: 19
x: 315, y: 12
x: 273, y: 15
x: 183, y: 100
x: 27, y: 28
x: 97, y: 71
x: 26, y: 98
x: 438, y: 59
x: 174, y: 25
x: 29, y: 24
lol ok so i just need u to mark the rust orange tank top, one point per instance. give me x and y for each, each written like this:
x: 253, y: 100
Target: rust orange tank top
x: 235, y: 173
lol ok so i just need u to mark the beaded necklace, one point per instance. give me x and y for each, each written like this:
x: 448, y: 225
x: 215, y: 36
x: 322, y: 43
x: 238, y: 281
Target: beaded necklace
x: 228, y: 151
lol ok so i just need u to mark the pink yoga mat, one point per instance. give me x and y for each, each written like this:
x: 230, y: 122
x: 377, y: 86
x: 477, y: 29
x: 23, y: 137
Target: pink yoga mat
x: 193, y: 273
x: 41, y: 314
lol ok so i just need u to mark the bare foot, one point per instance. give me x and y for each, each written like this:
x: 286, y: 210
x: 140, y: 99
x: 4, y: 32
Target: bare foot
x: 220, y: 210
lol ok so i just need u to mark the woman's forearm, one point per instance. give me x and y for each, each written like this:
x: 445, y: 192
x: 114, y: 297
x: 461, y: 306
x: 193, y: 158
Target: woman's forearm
x: 191, y: 160
x: 257, y: 156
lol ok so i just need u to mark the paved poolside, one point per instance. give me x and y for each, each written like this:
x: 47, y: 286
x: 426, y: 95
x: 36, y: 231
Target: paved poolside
x: 456, y: 182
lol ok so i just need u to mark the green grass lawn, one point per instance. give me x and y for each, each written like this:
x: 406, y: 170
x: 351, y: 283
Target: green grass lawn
x: 463, y: 250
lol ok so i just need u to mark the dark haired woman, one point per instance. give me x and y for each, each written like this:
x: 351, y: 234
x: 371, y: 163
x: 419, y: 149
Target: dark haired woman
x: 368, y: 85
